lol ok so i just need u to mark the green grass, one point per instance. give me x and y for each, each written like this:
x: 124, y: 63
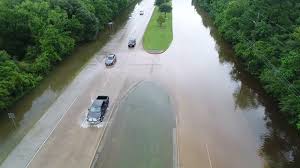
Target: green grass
x: 158, y: 38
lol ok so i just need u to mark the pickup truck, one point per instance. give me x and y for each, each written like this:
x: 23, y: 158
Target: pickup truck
x: 131, y: 43
x: 97, y: 110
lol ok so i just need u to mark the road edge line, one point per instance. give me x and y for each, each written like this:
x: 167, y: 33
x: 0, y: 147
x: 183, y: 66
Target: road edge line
x: 208, y: 156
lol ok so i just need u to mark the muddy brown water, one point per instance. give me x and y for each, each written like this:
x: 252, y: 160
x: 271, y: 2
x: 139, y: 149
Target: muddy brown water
x: 222, y: 109
x: 276, y: 143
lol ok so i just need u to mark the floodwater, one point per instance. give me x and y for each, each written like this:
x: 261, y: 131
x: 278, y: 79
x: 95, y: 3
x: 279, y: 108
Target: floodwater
x: 224, y: 118
x: 276, y: 142
x: 142, y: 131
x: 31, y: 107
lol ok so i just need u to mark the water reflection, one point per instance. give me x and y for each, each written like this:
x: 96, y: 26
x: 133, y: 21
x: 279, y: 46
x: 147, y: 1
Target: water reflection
x: 277, y: 143
x: 245, y: 97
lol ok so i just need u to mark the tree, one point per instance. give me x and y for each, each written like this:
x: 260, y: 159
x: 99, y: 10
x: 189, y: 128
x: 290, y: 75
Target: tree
x: 166, y: 8
x: 161, y: 20
x: 36, y: 34
x: 159, y: 2
x: 84, y: 13
x: 266, y: 38
x: 103, y: 12
x: 15, y: 33
x: 13, y: 82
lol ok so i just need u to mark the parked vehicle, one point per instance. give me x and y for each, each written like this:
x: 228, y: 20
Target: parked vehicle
x: 141, y: 12
x: 110, y: 59
x: 131, y: 43
x: 98, y: 109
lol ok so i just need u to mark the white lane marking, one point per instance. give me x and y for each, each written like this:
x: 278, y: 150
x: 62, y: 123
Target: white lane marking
x: 51, y: 132
x: 208, y: 156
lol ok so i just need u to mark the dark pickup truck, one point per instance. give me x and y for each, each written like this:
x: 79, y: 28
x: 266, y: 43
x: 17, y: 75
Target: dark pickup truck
x: 131, y: 43
x: 98, y: 109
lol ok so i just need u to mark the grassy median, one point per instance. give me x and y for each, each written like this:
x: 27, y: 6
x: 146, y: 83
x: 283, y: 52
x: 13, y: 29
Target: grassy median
x: 158, y: 38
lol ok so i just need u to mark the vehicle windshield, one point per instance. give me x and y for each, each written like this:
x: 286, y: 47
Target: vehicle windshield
x: 110, y: 57
x: 95, y: 109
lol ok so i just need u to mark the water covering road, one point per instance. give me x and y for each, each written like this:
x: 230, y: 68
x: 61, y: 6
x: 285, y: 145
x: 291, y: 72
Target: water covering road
x: 224, y: 118
x: 31, y: 107
x: 141, y: 134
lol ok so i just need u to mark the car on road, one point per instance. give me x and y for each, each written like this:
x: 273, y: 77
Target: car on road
x: 132, y: 43
x: 110, y: 59
x: 141, y: 12
x: 97, y: 110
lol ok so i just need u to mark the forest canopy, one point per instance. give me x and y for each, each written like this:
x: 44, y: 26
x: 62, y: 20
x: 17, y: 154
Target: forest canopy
x: 37, y: 34
x: 266, y: 38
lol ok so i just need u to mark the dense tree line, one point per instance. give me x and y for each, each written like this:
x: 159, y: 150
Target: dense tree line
x: 37, y: 34
x: 266, y: 37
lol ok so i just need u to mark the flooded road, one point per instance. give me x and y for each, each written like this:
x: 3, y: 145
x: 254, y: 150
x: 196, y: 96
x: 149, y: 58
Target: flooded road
x: 223, y: 117
x: 32, y: 107
x: 276, y: 142
x: 141, y: 134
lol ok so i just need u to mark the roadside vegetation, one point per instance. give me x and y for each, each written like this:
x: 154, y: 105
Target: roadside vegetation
x: 37, y: 34
x: 159, y: 34
x: 266, y: 38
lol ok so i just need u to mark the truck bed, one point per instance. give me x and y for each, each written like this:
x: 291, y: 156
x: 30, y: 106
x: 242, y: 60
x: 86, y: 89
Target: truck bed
x: 102, y: 97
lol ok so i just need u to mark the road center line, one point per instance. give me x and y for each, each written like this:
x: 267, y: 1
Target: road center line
x: 208, y: 156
